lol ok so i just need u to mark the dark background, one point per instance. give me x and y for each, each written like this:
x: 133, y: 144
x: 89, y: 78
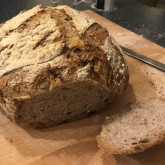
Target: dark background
x: 146, y: 21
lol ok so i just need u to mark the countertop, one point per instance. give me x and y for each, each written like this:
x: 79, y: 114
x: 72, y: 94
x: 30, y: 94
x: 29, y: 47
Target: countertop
x: 146, y: 21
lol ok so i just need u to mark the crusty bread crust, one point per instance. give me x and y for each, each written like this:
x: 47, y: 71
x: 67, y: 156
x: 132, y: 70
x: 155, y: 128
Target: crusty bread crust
x: 49, y: 47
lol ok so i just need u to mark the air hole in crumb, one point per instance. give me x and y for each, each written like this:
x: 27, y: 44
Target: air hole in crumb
x: 66, y: 19
x: 1, y: 97
x: 34, y: 116
x: 92, y: 67
x: 95, y: 60
x: 64, y: 88
x: 64, y: 97
x: 42, y: 109
x: 90, y: 113
x: 43, y: 83
x: 39, y: 124
x: 137, y: 148
x: 84, y: 63
x: 68, y: 56
x: 55, y: 76
x: 9, y: 53
x: 144, y: 141
x: 65, y: 121
x: 83, y: 113
x: 68, y: 113
x: 85, y: 106
x: 11, y: 46
x: 10, y: 31
x: 106, y: 100
x: 134, y: 143
x: 19, y: 117
x: 77, y: 51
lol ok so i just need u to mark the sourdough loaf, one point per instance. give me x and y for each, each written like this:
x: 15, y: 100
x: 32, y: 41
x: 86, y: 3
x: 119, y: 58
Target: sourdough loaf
x: 138, y: 127
x: 57, y: 64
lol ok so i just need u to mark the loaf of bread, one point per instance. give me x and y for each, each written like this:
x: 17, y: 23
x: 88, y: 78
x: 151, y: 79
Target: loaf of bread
x: 140, y: 127
x: 56, y: 65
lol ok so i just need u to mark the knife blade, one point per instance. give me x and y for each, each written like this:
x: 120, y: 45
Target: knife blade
x: 143, y: 58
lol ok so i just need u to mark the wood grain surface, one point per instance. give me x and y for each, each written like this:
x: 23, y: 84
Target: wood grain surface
x: 75, y: 143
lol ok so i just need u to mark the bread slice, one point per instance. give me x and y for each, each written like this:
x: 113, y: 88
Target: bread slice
x: 140, y: 127
x: 56, y: 65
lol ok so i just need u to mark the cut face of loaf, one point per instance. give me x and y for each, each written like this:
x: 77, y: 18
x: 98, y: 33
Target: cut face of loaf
x: 57, y: 64
x: 141, y: 127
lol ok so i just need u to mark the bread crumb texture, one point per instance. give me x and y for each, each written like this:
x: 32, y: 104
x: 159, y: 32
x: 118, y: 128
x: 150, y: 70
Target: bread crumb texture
x: 140, y: 127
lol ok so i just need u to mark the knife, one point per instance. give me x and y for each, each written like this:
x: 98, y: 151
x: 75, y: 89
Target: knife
x: 143, y: 58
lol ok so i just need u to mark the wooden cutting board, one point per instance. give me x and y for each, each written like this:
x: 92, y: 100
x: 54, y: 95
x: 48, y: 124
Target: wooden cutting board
x: 75, y: 143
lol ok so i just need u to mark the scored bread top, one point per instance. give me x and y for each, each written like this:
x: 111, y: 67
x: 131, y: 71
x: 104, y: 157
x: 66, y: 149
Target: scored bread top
x: 20, y: 41
x: 46, y: 47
